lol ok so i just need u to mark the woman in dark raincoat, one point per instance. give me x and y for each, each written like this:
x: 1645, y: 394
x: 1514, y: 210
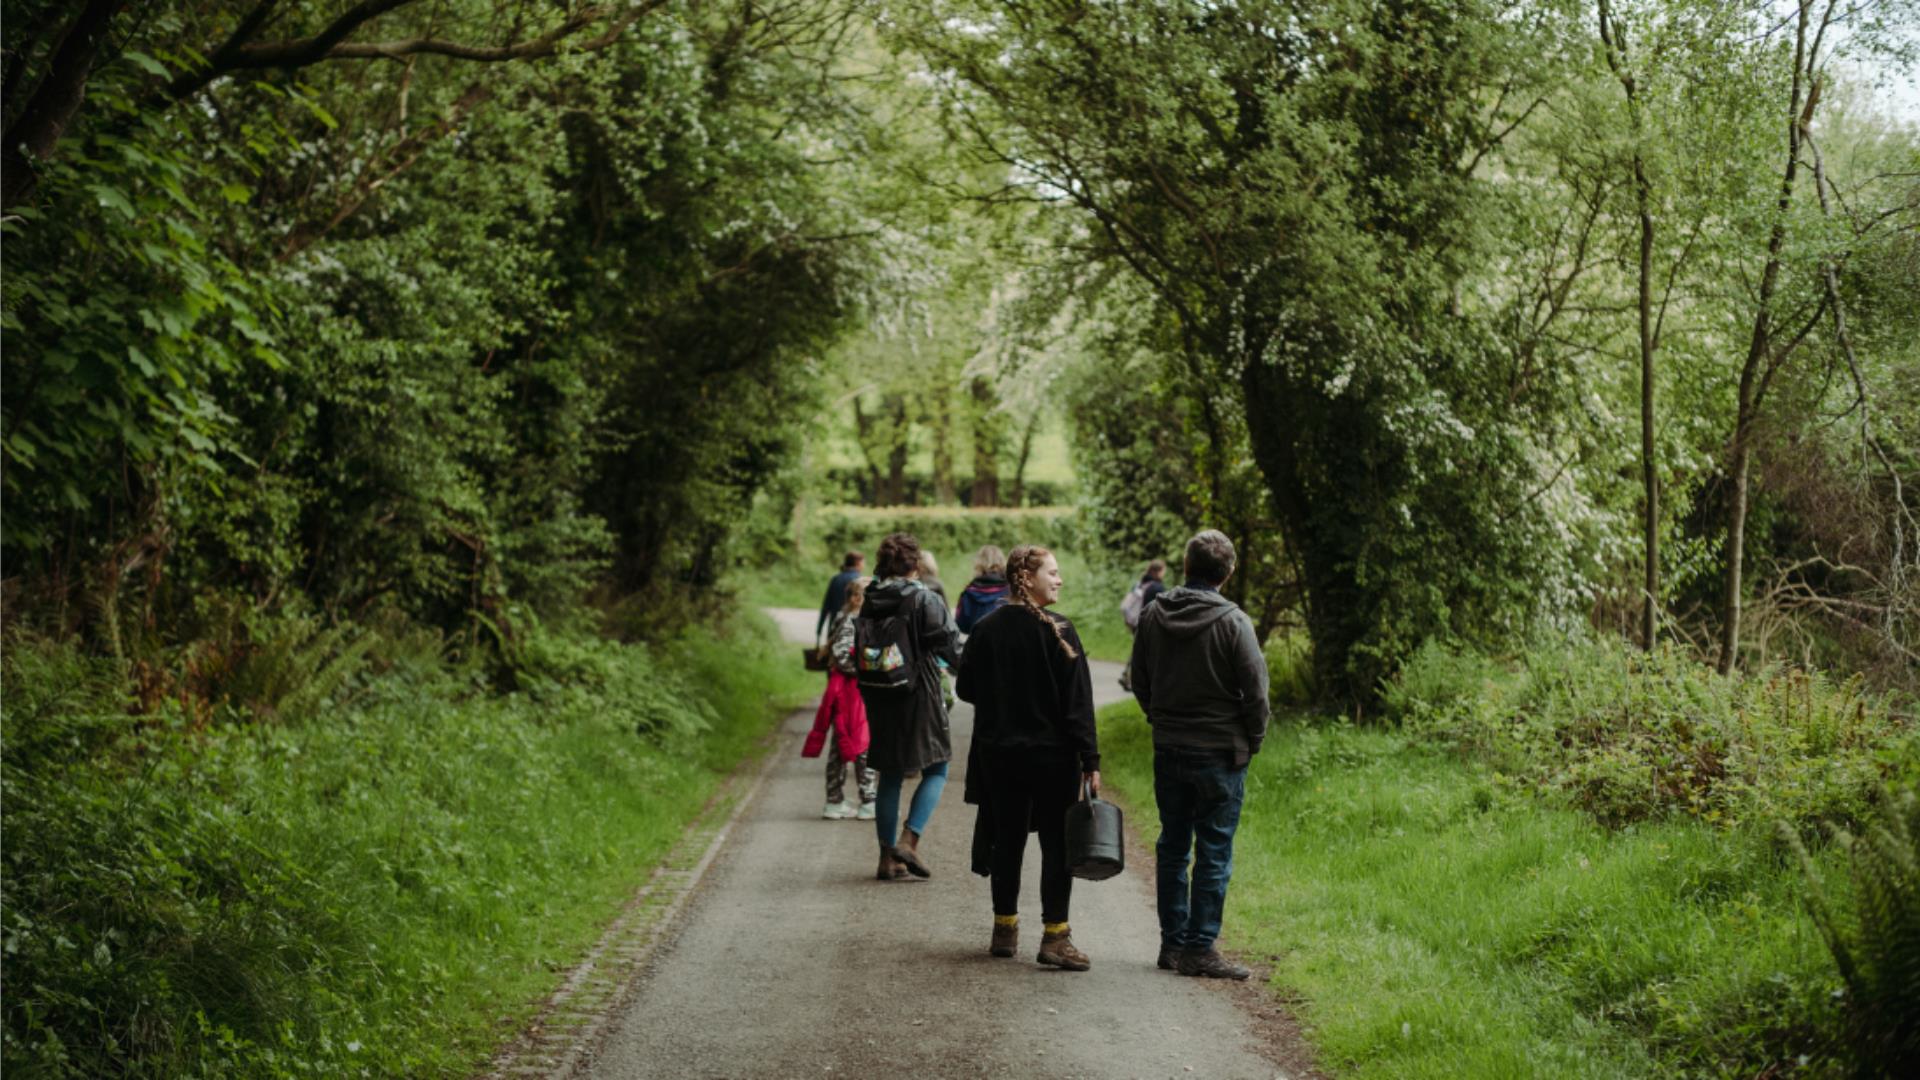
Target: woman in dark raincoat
x: 909, y: 726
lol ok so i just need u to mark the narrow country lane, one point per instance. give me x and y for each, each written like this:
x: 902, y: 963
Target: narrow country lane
x: 793, y: 961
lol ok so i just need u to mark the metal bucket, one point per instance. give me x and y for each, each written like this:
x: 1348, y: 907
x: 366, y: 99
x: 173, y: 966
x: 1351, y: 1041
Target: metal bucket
x: 1096, y: 839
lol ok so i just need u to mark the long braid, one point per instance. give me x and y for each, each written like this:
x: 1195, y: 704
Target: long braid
x: 1022, y: 563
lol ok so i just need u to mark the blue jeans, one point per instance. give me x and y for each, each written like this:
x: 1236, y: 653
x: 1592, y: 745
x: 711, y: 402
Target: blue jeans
x: 1199, y: 793
x: 886, y: 808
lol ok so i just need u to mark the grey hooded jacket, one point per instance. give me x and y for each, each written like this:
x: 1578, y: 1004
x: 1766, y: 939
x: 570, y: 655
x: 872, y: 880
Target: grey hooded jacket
x: 1199, y: 674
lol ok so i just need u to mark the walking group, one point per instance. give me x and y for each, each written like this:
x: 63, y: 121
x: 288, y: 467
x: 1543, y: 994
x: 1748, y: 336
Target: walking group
x: 893, y: 643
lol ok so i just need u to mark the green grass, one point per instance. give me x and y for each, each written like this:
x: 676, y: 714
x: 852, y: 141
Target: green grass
x: 385, y: 887
x: 784, y: 584
x: 1435, y: 923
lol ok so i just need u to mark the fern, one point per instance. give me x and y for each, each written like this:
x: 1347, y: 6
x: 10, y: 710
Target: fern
x: 1877, y: 949
x: 323, y: 681
x: 296, y: 666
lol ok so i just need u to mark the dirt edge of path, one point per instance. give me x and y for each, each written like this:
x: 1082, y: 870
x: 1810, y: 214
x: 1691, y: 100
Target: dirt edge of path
x: 570, y: 1025
x: 1280, y: 1036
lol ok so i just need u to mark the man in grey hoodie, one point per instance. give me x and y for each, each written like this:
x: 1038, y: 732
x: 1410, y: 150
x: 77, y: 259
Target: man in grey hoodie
x: 1199, y: 674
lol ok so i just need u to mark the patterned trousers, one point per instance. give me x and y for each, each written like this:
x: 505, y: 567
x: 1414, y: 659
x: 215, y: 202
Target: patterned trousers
x: 867, y: 780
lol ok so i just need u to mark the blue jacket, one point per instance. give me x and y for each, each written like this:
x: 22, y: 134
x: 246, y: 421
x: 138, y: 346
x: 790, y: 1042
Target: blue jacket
x: 984, y: 594
x: 835, y: 600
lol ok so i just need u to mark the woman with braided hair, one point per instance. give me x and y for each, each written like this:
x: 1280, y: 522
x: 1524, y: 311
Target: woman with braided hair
x: 1026, y: 674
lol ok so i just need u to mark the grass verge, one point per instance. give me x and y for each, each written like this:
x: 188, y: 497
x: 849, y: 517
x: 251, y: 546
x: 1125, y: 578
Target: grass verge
x: 1438, y: 923
x: 382, y: 888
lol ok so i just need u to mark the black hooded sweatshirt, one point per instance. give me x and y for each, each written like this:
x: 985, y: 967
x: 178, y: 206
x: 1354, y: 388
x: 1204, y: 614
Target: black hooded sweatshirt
x: 1199, y: 674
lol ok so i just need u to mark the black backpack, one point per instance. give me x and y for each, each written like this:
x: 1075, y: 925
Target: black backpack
x: 883, y: 648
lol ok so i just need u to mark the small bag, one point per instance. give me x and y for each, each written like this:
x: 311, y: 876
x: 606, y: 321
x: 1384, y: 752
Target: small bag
x: 1096, y: 838
x: 815, y: 659
x: 883, y: 649
x: 1133, y: 604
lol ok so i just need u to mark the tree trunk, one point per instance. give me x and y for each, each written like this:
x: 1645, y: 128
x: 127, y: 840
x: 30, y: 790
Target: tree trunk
x: 863, y: 438
x: 1759, y: 351
x: 1736, y: 544
x: 1616, y: 49
x: 1018, y: 496
x: 986, y: 446
x: 30, y: 39
x: 62, y: 88
x: 944, y: 492
x: 894, y: 491
x: 1317, y: 519
x: 1649, y: 477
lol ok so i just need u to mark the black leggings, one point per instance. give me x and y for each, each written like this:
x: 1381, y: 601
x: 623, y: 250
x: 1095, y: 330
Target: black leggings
x: 1024, y: 787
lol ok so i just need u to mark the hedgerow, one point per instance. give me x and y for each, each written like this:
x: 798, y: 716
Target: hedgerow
x: 229, y: 891
x: 1627, y: 735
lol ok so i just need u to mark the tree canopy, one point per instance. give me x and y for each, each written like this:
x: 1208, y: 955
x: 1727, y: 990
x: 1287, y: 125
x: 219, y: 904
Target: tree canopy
x: 1469, y: 321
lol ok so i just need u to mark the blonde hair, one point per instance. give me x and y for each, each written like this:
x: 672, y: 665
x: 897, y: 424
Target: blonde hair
x: 856, y: 595
x: 989, y: 560
x: 928, y: 565
x: 1023, y: 563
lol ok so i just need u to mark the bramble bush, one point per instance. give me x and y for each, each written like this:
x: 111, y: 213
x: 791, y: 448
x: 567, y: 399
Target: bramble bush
x: 1628, y: 736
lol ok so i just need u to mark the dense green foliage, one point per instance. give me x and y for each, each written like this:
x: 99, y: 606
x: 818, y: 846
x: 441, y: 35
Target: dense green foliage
x: 1384, y: 251
x: 1628, y: 736
x: 1353, y: 281
x: 370, y: 368
x: 1429, y: 920
x: 1877, y: 949
x: 191, y: 896
x: 1636, y: 739
x: 416, y: 332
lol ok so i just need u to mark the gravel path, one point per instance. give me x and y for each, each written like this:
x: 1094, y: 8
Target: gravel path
x: 793, y: 961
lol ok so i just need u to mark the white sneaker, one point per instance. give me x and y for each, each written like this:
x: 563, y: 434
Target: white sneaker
x: 865, y: 813
x: 837, y: 811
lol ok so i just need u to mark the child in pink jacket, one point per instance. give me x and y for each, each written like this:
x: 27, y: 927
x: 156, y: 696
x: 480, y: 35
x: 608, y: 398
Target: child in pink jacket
x: 844, y: 715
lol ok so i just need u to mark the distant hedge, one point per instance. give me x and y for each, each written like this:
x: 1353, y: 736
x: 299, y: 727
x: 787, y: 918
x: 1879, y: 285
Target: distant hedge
x: 919, y: 487
x: 953, y: 534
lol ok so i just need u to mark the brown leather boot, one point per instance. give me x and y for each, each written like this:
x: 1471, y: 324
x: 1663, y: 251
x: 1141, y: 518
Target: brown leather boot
x: 890, y: 868
x: 1006, y: 940
x: 908, y: 852
x: 1210, y: 964
x: 1057, y: 950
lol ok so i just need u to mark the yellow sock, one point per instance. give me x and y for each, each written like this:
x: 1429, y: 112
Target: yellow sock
x: 1056, y: 928
x: 1006, y: 920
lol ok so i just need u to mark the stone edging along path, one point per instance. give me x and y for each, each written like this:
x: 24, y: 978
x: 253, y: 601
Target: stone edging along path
x: 560, y: 1038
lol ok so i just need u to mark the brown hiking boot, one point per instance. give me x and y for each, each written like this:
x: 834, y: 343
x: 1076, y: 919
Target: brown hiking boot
x: 1006, y: 939
x: 1056, y: 950
x: 1169, y: 958
x: 890, y: 868
x: 908, y: 852
x: 1210, y: 963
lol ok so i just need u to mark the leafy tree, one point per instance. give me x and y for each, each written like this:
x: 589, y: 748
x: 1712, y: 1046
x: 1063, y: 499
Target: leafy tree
x: 1296, y: 184
x: 355, y: 322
